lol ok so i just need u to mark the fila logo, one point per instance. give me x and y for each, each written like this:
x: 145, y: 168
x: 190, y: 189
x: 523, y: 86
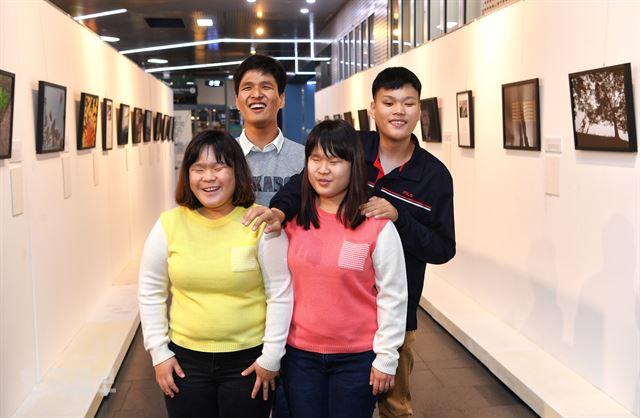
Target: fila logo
x: 406, y: 193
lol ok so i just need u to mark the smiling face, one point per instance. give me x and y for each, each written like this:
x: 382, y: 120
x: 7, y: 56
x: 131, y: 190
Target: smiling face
x: 329, y: 176
x: 213, y: 183
x: 396, y: 112
x: 258, y: 99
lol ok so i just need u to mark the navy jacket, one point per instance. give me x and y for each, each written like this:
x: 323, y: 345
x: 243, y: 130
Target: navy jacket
x: 422, y: 192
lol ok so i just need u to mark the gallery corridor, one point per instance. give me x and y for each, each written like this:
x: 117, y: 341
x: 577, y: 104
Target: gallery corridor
x: 448, y: 382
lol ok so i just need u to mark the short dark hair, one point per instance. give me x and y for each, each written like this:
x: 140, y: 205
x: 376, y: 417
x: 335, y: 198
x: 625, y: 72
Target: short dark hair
x: 227, y: 151
x: 265, y: 65
x: 394, y: 78
x: 336, y: 138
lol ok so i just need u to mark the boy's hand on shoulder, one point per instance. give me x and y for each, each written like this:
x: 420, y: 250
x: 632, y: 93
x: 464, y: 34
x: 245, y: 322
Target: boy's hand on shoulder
x: 379, y: 208
x: 272, y: 218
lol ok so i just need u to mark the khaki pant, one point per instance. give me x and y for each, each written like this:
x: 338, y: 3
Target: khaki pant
x: 397, y: 402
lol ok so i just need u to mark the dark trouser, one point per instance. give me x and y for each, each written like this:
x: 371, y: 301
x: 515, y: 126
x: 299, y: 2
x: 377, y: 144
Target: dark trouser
x: 328, y: 385
x: 213, y: 386
x: 280, y: 404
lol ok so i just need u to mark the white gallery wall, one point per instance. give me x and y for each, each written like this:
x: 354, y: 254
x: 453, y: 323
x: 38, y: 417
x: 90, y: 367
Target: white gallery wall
x: 561, y: 270
x: 60, y: 255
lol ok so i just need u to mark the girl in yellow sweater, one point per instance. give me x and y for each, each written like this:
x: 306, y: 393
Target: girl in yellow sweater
x: 224, y: 335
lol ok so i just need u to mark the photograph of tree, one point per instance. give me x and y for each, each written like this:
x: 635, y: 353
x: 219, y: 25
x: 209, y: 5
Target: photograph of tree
x: 88, y: 121
x: 7, y: 82
x: 602, y: 109
x: 521, y: 115
x: 430, y: 120
x: 52, y: 108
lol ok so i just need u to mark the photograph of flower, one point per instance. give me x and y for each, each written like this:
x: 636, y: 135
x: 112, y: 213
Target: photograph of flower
x: 88, y: 121
x: 52, y: 104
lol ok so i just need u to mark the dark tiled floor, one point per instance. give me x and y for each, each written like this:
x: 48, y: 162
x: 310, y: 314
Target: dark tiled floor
x: 447, y: 382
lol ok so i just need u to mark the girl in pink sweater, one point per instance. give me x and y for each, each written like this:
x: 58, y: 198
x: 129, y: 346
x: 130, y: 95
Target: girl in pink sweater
x: 349, y: 283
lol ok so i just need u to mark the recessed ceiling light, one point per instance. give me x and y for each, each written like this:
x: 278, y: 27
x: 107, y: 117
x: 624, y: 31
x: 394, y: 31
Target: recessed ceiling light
x: 230, y: 76
x: 204, y: 22
x: 190, y: 83
x: 304, y: 11
x: 259, y: 30
x: 252, y: 51
x: 311, y: 1
x: 259, y: 13
x: 107, y: 13
x: 157, y: 61
x: 251, y: 1
x: 109, y: 38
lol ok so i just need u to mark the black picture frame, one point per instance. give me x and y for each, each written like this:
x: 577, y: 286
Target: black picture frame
x: 52, y: 113
x: 348, y: 118
x: 430, y: 120
x: 602, y: 101
x: 137, y: 125
x: 88, y: 121
x: 165, y: 127
x: 521, y: 115
x: 148, y: 121
x: 157, y: 127
x: 172, y: 127
x: 363, y: 119
x: 337, y: 116
x: 7, y: 97
x: 107, y: 124
x: 123, y: 124
x: 464, y: 113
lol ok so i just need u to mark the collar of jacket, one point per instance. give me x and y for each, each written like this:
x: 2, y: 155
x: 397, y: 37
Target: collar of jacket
x: 411, y: 170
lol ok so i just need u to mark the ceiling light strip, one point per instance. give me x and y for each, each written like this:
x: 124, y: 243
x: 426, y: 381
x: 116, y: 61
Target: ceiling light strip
x: 222, y: 41
x: 93, y: 15
x: 192, y: 67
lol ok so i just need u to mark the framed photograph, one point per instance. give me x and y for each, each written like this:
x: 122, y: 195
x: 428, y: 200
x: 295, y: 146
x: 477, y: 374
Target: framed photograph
x: 430, y: 120
x: 464, y: 110
x: 88, y: 121
x: 123, y: 124
x: 363, y: 119
x: 157, y: 127
x: 348, y: 118
x: 326, y: 117
x: 107, y: 124
x: 521, y: 115
x: 7, y: 88
x: 172, y: 126
x: 148, y: 121
x: 52, y: 110
x: 337, y: 116
x: 602, y: 109
x: 165, y: 127
x: 137, y: 119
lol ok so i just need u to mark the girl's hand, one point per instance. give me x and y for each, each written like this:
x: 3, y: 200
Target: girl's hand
x: 380, y: 381
x: 164, y: 376
x: 379, y: 208
x: 264, y: 378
